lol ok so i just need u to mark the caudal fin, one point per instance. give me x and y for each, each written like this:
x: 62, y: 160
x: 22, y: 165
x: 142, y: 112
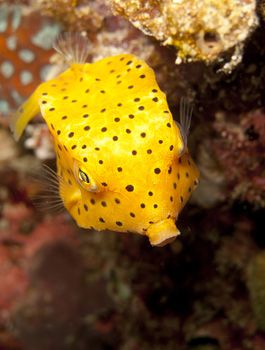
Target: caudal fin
x: 24, y: 114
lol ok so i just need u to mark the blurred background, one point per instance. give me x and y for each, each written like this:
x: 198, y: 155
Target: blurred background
x: 62, y: 287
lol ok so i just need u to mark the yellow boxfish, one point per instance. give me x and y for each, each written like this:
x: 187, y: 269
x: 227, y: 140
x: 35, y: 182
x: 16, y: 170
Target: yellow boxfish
x: 122, y: 161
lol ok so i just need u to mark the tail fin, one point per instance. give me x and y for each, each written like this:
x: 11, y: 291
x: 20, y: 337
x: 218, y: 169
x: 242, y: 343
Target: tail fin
x: 24, y: 114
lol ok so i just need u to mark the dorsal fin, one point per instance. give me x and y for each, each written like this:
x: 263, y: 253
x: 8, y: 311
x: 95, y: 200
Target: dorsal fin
x: 74, y: 47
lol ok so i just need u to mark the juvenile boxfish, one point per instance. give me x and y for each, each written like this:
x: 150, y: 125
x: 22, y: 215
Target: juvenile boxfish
x: 122, y: 162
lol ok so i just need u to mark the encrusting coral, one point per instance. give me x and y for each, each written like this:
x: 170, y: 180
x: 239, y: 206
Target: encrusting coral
x: 201, y: 30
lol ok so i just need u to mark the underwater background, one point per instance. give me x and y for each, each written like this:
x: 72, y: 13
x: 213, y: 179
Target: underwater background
x: 62, y: 287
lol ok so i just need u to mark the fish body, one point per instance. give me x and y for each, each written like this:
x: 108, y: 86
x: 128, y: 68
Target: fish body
x: 121, y: 158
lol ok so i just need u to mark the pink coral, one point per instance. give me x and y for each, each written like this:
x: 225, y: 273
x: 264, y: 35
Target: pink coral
x: 239, y: 148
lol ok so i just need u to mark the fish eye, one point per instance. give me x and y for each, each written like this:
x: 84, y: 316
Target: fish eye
x: 83, y: 176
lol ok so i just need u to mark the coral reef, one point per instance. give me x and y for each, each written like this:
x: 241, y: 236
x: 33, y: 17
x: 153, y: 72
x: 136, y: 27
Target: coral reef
x: 201, y: 30
x: 66, y: 288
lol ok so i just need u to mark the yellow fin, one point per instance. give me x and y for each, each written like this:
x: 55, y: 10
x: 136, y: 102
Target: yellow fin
x: 24, y: 114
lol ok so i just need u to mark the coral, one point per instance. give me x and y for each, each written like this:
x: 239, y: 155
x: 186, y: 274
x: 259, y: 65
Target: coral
x: 239, y: 148
x: 74, y: 15
x: 39, y: 139
x: 24, y: 57
x: 256, y: 285
x: 199, y: 29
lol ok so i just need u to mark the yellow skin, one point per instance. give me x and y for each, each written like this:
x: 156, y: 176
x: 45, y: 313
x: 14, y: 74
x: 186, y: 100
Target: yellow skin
x: 121, y: 158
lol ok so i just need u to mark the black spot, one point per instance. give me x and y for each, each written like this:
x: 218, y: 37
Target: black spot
x: 174, y: 185
x: 129, y: 69
x: 81, y: 79
x: 103, y: 110
x: 169, y: 170
x: 132, y: 215
x: 131, y: 116
x: 154, y: 90
x: 84, y: 106
x: 118, y: 82
x: 122, y: 58
x: 119, y: 169
x: 143, y: 134
x: 52, y: 109
x: 52, y: 126
x: 149, y: 151
x: 187, y: 174
x: 115, y: 138
x: 150, y: 193
x: 130, y: 86
x: 104, y: 204
x: 118, y: 76
x: 64, y: 117
x: 151, y: 222
x: 85, y: 207
x: 129, y: 188
x: 142, y: 205
x: 73, y: 147
x: 128, y: 131
x: 157, y: 171
x: 129, y: 62
x: 100, y: 161
x: 60, y: 148
x: 142, y: 76
x: 180, y: 160
x: 116, y: 120
x: 141, y: 108
x: 171, y: 199
x: 73, y: 101
x: 78, y: 210
x: 181, y: 199
x: 65, y: 148
x: 97, y: 149
x: 92, y: 201
x: 71, y: 134
x: 168, y: 125
x: 112, y: 71
x: 117, y: 200
x: 155, y: 206
x: 166, y: 112
x: 171, y: 148
x: 85, y: 159
x: 155, y: 99
x: 102, y: 91
x: 97, y: 79
x: 58, y: 132
x: 160, y: 141
x: 119, y: 223
x: 65, y: 97
x: 86, y: 128
x: 134, y: 153
x: 101, y: 220
x: 104, y: 184
x: 189, y: 189
x: 251, y: 133
x: 84, y: 147
x: 85, y: 115
x: 44, y: 94
x: 87, y: 91
x: 137, y: 99
x: 119, y: 104
x: 178, y: 176
x: 104, y: 129
x: 138, y: 66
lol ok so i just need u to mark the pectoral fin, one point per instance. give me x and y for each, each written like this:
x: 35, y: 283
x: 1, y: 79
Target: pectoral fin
x: 24, y: 114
